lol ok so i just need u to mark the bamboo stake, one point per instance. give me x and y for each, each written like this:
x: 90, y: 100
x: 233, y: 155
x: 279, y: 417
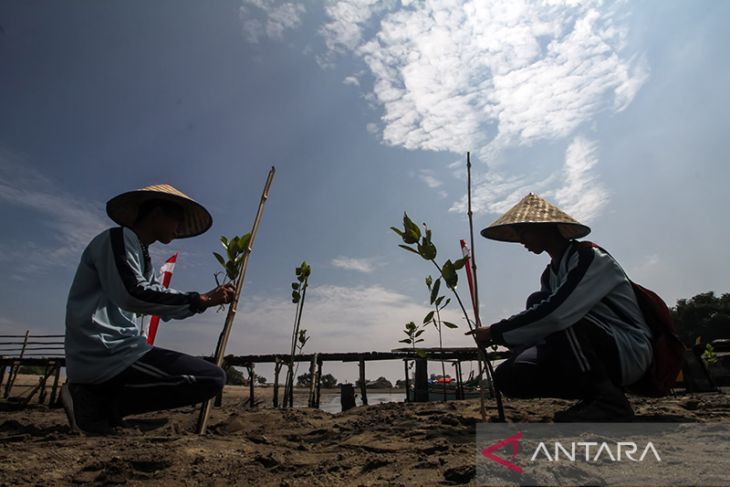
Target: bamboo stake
x: 225, y: 334
x: 490, y: 371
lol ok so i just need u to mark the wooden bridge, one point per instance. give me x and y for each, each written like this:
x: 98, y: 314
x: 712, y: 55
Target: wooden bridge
x: 46, y: 351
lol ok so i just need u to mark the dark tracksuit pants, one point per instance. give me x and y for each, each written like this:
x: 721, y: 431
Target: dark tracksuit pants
x: 568, y: 364
x: 162, y: 379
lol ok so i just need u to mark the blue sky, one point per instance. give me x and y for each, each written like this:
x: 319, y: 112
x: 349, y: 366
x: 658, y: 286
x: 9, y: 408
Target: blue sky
x: 616, y: 111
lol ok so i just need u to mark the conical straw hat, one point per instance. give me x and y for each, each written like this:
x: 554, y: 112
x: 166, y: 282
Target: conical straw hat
x: 123, y: 209
x: 533, y: 209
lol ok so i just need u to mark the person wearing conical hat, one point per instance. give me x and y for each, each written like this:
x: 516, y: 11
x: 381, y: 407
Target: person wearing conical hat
x: 583, y: 335
x: 111, y: 370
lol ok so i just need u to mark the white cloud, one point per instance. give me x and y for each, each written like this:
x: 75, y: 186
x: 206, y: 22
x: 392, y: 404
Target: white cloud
x: 351, y: 81
x: 486, y: 76
x: 427, y: 176
x: 73, y: 222
x: 581, y: 195
x: 347, y: 19
x: 360, y: 265
x: 269, y: 18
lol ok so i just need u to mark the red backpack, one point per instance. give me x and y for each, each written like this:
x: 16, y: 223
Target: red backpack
x: 668, y: 349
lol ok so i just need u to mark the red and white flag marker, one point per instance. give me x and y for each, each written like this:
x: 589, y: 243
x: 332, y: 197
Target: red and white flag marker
x: 166, y: 270
x: 466, y: 252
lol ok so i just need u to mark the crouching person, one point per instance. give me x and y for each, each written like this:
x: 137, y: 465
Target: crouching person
x: 583, y: 336
x: 112, y: 372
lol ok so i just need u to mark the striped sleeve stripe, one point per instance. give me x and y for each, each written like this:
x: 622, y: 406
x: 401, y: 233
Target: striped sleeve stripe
x: 553, y: 302
x: 134, y: 288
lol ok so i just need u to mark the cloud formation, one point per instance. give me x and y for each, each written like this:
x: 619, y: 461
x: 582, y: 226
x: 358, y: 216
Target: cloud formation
x: 452, y: 76
x: 351, y: 264
x: 487, y: 76
x: 73, y: 222
x: 490, y: 76
x: 582, y: 196
x: 269, y: 18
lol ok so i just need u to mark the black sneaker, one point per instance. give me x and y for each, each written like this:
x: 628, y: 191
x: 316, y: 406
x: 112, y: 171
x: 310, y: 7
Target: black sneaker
x: 614, y: 408
x: 558, y: 417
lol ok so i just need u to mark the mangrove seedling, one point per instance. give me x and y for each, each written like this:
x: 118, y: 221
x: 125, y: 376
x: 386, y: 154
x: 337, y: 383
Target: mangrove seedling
x: 298, y: 338
x: 434, y: 317
x: 424, y: 247
x: 235, y: 249
x: 414, y: 331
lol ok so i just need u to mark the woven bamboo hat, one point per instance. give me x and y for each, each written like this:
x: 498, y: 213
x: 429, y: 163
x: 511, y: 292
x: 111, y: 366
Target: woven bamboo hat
x: 123, y: 209
x: 535, y: 210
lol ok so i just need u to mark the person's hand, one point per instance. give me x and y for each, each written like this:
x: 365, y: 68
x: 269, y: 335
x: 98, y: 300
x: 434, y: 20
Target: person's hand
x: 482, y: 335
x: 223, y: 294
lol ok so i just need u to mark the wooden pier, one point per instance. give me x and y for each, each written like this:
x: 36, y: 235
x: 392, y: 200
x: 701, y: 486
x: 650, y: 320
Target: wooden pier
x: 47, y: 351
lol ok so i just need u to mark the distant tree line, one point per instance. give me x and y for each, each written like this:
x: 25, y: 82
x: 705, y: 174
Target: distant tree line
x: 703, y: 318
x: 328, y: 380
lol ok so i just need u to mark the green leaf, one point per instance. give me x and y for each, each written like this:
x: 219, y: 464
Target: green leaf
x: 411, y: 325
x: 419, y: 340
x: 231, y: 249
x: 407, y: 340
x: 427, y: 250
x: 419, y: 333
x: 435, y: 291
x: 295, y: 296
x: 445, y: 304
x: 448, y: 272
x: 428, y: 317
x: 458, y: 264
x: 295, y: 286
x: 449, y: 325
x: 224, y: 241
x: 438, y: 302
x: 220, y: 259
x: 429, y: 281
x: 231, y: 270
x: 398, y: 231
x: 412, y: 232
x: 408, y: 248
x: 244, y: 242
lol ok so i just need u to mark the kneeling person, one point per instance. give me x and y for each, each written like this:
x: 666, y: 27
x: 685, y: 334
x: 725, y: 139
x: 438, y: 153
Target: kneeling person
x: 112, y: 371
x: 583, y: 335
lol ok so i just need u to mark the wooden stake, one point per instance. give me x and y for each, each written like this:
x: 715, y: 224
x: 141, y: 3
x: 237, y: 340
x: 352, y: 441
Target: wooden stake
x: 15, y: 367
x: 319, y: 382
x: 363, y: 386
x: 489, y: 370
x: 251, y: 384
x: 225, y: 334
x: 312, y: 372
x: 277, y: 369
x: 54, y: 388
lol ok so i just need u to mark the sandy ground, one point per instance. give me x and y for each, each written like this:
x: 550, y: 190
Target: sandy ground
x: 388, y: 444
